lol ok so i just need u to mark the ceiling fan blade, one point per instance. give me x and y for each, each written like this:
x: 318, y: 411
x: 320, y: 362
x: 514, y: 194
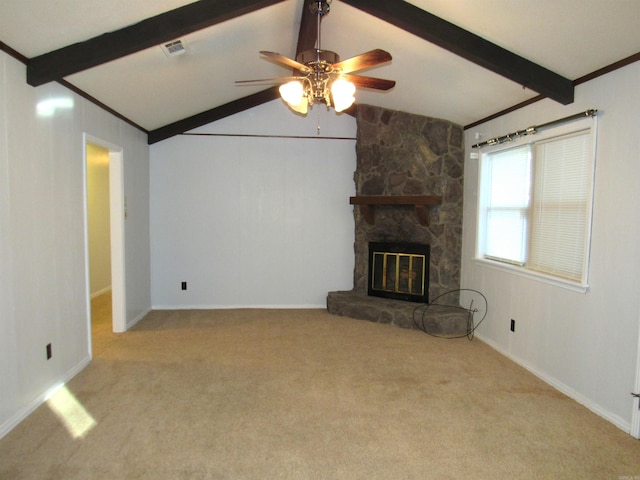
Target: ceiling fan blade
x: 269, y: 80
x: 362, y: 61
x: 370, y: 82
x: 286, y: 61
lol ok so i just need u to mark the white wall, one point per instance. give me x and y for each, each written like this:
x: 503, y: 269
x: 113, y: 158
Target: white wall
x: 254, y: 221
x: 584, y: 344
x: 98, y: 219
x: 43, y: 274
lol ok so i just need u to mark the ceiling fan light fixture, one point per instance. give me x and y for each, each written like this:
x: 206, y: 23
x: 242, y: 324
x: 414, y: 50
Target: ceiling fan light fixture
x: 343, y: 94
x: 293, y: 93
x: 301, y: 107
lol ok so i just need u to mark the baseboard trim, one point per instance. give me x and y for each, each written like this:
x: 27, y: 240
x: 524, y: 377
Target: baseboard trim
x: 562, y: 387
x: 27, y: 410
x: 133, y: 321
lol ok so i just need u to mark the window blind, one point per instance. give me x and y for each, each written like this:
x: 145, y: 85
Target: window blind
x: 560, y: 206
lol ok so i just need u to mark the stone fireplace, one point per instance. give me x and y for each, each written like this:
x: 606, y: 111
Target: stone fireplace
x: 401, y: 157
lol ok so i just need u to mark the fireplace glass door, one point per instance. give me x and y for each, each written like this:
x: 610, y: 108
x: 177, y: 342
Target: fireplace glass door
x: 399, y: 270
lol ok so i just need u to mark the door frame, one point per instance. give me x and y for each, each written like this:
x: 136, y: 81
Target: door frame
x: 116, y: 227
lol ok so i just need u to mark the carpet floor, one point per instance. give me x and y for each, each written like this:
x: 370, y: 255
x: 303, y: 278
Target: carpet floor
x: 302, y: 394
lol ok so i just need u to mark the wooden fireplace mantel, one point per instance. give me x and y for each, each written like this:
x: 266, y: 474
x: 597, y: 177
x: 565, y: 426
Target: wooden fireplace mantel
x: 419, y: 202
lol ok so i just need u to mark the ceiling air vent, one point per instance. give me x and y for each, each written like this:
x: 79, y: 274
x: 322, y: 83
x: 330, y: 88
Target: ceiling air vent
x: 173, y: 48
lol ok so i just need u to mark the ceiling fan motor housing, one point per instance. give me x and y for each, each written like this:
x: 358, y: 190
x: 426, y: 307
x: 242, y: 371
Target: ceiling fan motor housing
x: 323, y: 57
x: 316, y: 82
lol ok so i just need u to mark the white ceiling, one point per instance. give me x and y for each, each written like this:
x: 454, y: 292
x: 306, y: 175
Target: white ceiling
x: 570, y: 37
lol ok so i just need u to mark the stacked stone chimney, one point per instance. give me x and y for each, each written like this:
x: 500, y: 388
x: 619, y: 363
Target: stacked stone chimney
x: 405, y: 154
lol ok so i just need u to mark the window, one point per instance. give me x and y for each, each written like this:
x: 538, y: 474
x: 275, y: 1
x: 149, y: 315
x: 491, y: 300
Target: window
x: 536, y: 202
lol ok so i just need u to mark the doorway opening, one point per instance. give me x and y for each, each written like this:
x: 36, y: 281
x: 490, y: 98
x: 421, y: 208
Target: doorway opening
x: 104, y: 222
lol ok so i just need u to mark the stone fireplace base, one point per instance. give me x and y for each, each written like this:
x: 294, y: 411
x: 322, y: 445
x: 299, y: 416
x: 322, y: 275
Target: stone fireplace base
x: 439, y: 320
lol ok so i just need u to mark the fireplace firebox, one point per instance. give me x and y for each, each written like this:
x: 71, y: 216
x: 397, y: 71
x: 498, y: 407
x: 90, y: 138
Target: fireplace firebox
x: 399, y: 270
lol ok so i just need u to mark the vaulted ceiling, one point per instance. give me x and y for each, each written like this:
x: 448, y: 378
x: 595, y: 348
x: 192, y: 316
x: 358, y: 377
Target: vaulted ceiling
x: 462, y: 60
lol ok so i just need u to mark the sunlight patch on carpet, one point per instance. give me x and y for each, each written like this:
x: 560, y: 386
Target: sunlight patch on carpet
x: 71, y: 413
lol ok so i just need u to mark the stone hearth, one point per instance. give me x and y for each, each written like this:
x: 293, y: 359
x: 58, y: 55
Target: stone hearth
x: 405, y: 154
x: 436, y: 319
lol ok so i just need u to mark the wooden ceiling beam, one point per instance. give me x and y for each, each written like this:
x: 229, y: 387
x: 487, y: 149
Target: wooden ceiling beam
x: 145, y: 34
x: 195, y: 121
x: 307, y: 37
x: 469, y: 46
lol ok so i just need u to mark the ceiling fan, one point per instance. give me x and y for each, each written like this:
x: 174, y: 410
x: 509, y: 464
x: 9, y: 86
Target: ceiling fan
x: 320, y: 76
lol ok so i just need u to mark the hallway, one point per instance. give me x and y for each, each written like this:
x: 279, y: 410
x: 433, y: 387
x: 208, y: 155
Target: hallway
x: 101, y: 324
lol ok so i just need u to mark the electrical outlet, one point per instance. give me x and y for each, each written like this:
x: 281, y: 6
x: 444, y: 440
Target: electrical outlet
x: 184, y: 285
x: 513, y: 325
x: 49, y: 352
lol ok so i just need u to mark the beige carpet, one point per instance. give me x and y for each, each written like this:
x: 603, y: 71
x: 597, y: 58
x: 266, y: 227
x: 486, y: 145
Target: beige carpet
x: 301, y: 394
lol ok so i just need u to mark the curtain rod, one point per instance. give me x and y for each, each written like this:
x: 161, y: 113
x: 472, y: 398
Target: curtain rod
x: 535, y: 129
x: 310, y: 137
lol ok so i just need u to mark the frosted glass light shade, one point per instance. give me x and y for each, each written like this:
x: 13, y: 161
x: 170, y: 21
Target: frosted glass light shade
x: 293, y: 93
x: 342, y: 91
x: 301, y: 107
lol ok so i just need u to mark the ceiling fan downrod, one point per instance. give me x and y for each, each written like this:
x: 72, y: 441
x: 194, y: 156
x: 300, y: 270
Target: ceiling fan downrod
x: 319, y: 8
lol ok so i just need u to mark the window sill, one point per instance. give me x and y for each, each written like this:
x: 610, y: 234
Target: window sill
x: 530, y: 274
